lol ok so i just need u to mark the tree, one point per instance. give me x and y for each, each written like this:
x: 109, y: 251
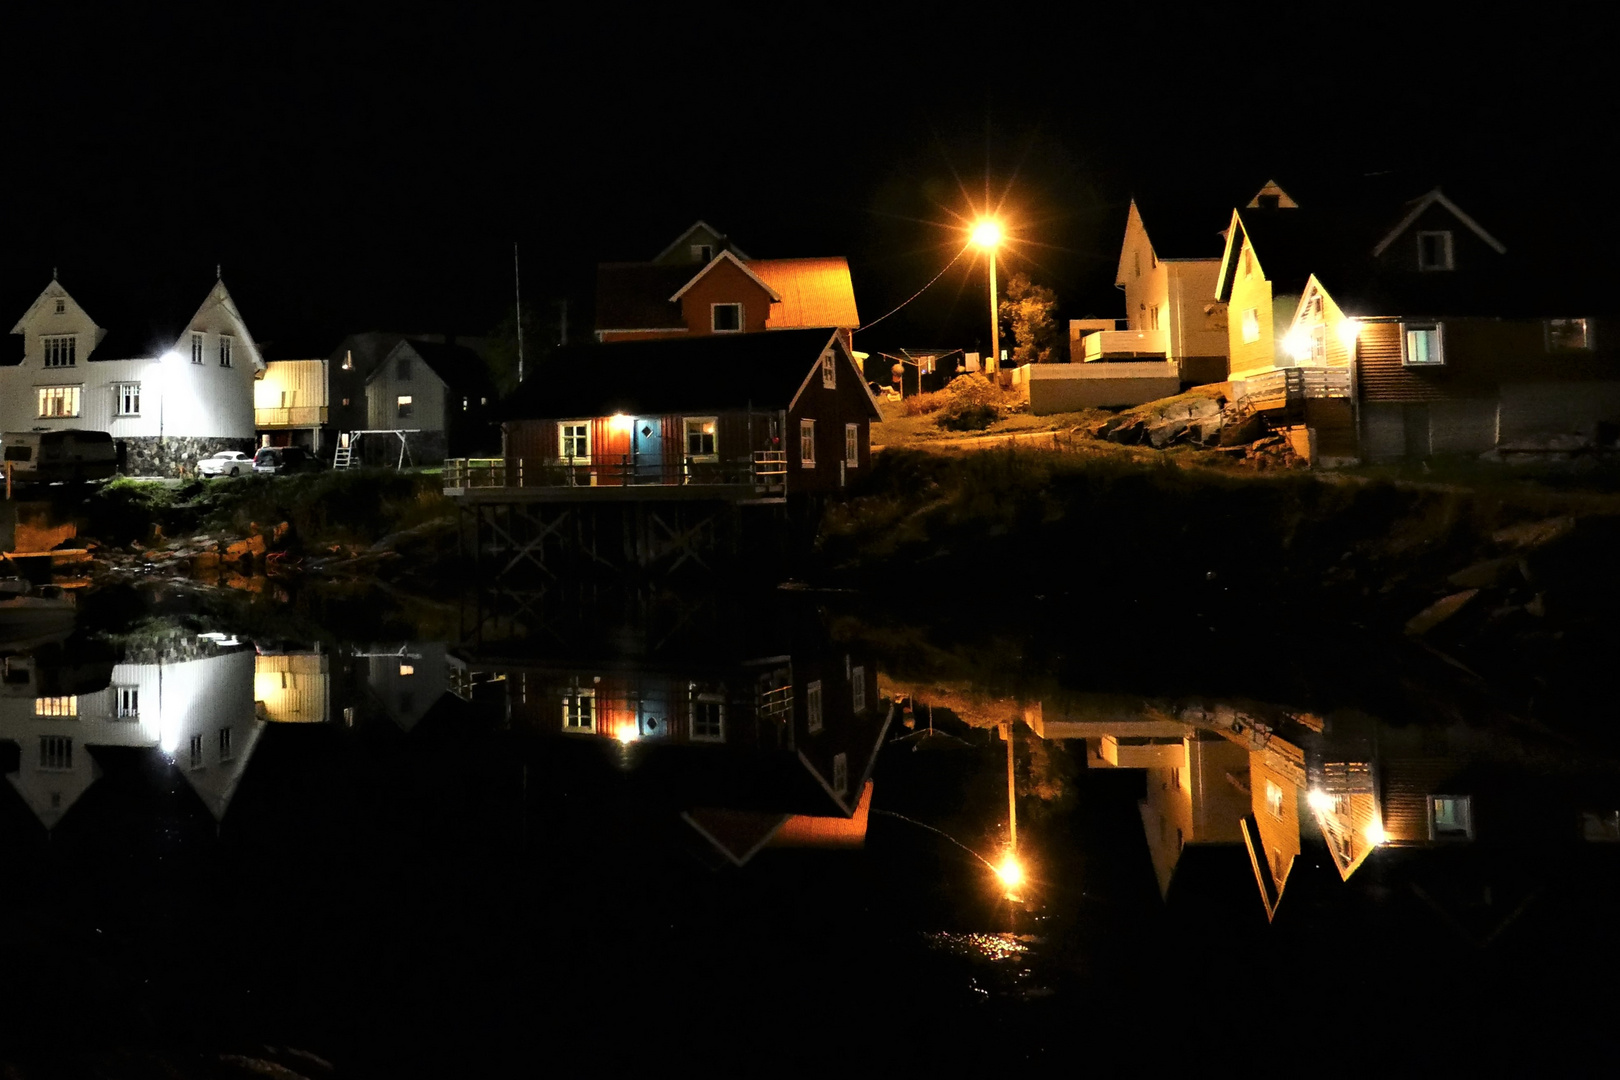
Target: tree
x: 1032, y: 311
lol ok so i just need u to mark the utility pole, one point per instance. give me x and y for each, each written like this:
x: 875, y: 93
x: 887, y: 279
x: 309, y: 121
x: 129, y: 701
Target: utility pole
x: 1012, y: 793
x: 517, y: 290
x: 563, y: 325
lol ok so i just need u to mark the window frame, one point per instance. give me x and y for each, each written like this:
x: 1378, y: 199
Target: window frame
x: 199, y: 346
x: 196, y: 760
x: 688, y: 431
x: 840, y: 774
x: 1448, y: 260
x: 61, y: 350
x: 564, y: 438
x: 1274, y: 799
x: 1249, y: 325
x: 714, y: 322
x: 577, y: 718
x: 807, y: 440
x: 122, y: 396
x: 70, y: 393
x: 852, y: 446
x: 1465, y: 831
x: 857, y: 688
x: 404, y: 406
x: 829, y: 371
x: 55, y: 753
x: 1408, y: 329
x: 707, y: 734
x: 226, y: 345
x: 1554, y: 346
x: 127, y: 702
x: 813, y: 719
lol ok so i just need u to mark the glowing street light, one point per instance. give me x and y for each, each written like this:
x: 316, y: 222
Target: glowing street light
x: 987, y: 235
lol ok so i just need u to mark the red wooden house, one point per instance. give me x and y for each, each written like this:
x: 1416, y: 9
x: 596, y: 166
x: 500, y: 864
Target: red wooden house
x: 758, y: 415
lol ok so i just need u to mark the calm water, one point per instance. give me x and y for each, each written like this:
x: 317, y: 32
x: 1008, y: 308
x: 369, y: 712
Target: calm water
x: 597, y: 830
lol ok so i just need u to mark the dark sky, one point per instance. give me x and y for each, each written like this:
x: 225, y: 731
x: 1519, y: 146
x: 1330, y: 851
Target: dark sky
x: 356, y: 172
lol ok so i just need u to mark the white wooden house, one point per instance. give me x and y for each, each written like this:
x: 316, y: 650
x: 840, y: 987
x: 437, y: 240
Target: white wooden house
x: 167, y: 392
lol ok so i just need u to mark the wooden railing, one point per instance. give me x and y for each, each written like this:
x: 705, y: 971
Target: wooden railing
x: 766, y: 472
x: 291, y: 416
x: 1276, y: 389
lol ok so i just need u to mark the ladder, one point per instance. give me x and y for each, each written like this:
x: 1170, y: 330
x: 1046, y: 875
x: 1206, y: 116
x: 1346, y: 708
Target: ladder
x: 343, y: 458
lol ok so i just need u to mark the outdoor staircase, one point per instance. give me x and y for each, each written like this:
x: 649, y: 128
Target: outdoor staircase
x: 343, y: 458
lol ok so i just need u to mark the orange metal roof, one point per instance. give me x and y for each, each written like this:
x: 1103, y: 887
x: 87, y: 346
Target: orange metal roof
x: 815, y: 292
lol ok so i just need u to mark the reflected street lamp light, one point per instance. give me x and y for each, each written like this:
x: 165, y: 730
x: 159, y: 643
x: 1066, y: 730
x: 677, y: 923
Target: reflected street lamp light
x: 987, y: 235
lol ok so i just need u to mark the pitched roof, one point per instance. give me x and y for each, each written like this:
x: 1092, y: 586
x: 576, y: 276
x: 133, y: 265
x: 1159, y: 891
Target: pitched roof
x: 1184, y: 227
x: 457, y: 366
x: 725, y: 256
x: 722, y: 371
x: 814, y: 292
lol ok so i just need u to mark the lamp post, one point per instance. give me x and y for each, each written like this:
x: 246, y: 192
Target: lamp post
x: 165, y: 376
x: 987, y: 235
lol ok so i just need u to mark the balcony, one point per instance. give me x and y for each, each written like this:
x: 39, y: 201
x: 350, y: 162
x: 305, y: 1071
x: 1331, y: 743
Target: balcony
x: 761, y: 476
x: 1288, y: 387
x: 295, y: 416
x: 1125, y: 345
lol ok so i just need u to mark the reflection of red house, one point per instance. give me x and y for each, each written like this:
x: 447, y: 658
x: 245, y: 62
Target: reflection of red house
x: 701, y: 285
x: 769, y: 415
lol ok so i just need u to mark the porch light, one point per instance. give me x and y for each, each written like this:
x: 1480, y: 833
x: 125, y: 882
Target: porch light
x: 627, y: 733
x: 1320, y: 801
x: 620, y: 422
x: 1298, y: 344
x: 1376, y: 835
x: 1349, y: 331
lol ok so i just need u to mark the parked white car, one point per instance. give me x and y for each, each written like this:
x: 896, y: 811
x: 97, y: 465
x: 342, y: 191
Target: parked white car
x: 225, y: 463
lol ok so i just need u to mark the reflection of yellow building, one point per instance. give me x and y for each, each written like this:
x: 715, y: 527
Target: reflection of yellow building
x: 293, y: 688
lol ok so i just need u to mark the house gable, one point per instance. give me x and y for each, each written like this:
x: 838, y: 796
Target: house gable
x: 687, y: 247
x: 1134, y: 248
x: 1422, y: 213
x: 1272, y: 196
x: 218, y: 316
x: 725, y: 281
x: 42, y: 320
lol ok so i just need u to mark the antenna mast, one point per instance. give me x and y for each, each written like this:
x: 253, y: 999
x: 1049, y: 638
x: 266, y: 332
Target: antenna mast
x: 517, y: 291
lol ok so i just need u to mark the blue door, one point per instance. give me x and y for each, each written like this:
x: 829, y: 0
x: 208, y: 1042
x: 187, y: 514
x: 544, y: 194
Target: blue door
x: 648, y: 447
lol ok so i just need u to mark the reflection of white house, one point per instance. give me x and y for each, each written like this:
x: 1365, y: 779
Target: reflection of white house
x: 408, y: 679
x: 167, y: 392
x: 199, y: 712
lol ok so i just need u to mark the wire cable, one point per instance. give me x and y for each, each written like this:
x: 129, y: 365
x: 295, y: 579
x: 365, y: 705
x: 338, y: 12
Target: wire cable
x: 918, y: 293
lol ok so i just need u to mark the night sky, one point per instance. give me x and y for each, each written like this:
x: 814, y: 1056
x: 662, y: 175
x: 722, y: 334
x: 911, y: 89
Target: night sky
x: 359, y: 172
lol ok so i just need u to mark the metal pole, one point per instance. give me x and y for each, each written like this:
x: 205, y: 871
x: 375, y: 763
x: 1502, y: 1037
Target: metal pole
x: 517, y: 294
x: 1012, y: 794
x: 995, y: 316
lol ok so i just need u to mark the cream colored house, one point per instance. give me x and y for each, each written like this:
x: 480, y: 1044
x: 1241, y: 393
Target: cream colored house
x: 290, y: 404
x: 167, y: 392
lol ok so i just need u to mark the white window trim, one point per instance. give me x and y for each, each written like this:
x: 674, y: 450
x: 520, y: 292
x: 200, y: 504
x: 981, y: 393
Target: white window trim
x: 127, y: 702
x: 76, y: 397
x: 199, y: 347
x: 812, y: 706
x: 584, y: 701
x: 717, y: 700
x: 807, y: 428
x: 404, y: 406
x: 1439, y: 339
x: 226, y: 346
x: 1449, y: 262
x: 64, y: 348
x: 852, y: 445
x: 119, y: 399
x: 686, y: 426
x: 1274, y: 799
x: 829, y: 372
x: 857, y: 689
x: 562, y: 440
x: 714, y: 327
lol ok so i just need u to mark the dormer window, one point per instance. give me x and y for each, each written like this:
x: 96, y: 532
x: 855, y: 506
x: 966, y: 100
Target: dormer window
x: 196, y: 348
x: 61, y: 351
x: 61, y: 306
x: 1564, y: 335
x: 725, y: 318
x: 1264, y: 201
x: 703, y: 253
x: 1434, y: 250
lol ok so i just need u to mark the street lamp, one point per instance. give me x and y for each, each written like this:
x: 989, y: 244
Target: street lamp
x: 165, y: 371
x: 987, y: 235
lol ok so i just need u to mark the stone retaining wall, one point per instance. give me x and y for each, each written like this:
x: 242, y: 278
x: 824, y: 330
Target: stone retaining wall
x: 172, y: 455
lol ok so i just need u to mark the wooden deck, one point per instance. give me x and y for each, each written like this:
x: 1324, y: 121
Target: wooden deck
x: 1289, y: 387
x: 761, y: 479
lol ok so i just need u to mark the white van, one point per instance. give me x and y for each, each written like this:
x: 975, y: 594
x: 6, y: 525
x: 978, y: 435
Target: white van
x: 43, y: 457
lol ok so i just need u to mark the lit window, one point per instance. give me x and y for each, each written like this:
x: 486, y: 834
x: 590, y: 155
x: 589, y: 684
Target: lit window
x: 579, y: 711
x: 61, y: 351
x: 708, y: 718
x: 812, y: 706
x: 404, y: 406
x: 807, y: 443
x: 348, y: 360
x: 56, y: 706
x: 829, y: 372
x: 574, y: 441
x: 1251, y: 324
x: 725, y: 318
x: 463, y: 404
x: 857, y: 689
x: 1274, y: 800
x: 1568, y: 334
x: 1434, y: 250
x: 700, y: 437
x: 1451, y: 817
x: 1424, y: 346
x: 225, y: 744
x: 407, y: 669
x: 56, y: 402
x: 345, y: 402
x: 224, y: 351
x: 129, y: 702
x: 55, y: 752
x: 196, y: 348
x: 127, y: 398
x: 840, y: 776
x: 196, y: 751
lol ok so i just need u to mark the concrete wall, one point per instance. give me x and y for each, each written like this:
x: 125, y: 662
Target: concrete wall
x: 1055, y: 388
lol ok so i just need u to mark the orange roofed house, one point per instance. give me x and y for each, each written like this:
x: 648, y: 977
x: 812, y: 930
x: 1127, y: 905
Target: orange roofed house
x: 701, y: 284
